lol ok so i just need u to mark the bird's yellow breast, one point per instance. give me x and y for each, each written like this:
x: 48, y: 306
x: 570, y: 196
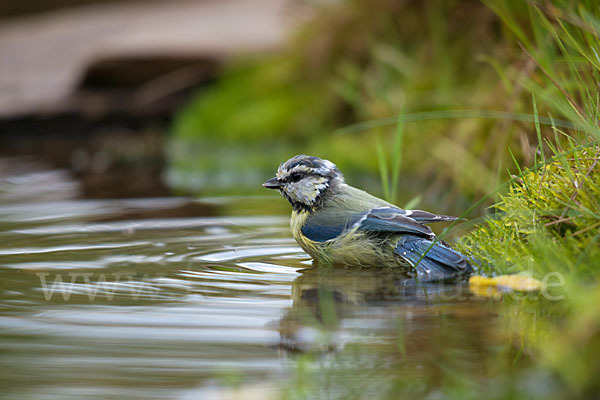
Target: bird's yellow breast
x: 353, y: 248
x: 296, y: 222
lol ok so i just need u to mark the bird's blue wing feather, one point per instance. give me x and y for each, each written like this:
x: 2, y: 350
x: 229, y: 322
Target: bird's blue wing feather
x: 327, y: 225
x: 322, y: 226
x: 435, y: 251
x: 433, y: 261
x: 319, y: 233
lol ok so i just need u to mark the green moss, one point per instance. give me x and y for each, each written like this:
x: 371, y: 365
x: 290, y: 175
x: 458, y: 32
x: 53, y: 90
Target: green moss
x: 553, y: 210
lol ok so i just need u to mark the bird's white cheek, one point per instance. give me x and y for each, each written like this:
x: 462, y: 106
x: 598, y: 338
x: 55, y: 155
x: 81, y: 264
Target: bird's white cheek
x: 307, y: 190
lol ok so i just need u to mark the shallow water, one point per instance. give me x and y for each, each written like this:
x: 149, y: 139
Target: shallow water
x: 178, y: 298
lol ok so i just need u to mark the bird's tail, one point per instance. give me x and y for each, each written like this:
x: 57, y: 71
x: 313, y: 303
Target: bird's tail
x: 432, y: 261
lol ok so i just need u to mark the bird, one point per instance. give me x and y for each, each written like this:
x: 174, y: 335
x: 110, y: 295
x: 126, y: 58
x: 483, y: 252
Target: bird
x: 336, y: 223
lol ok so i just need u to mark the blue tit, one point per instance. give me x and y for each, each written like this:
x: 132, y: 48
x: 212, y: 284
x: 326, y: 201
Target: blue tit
x: 336, y: 223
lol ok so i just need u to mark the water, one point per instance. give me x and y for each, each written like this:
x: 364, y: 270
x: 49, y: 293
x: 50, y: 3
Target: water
x: 182, y: 298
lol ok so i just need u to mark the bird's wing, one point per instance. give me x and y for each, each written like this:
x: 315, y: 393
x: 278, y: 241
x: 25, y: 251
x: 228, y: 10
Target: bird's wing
x: 425, y: 217
x: 391, y: 220
x: 326, y: 225
x: 355, y: 199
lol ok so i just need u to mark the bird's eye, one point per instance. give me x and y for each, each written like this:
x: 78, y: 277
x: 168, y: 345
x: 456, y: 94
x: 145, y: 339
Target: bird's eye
x: 295, y: 177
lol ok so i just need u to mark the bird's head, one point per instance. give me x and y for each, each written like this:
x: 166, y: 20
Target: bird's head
x: 306, y: 181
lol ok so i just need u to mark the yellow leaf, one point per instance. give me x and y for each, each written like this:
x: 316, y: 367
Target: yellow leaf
x: 493, y: 287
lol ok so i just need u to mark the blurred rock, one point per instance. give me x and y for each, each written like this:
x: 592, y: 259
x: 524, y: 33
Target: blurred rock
x: 20, y: 7
x: 133, y: 57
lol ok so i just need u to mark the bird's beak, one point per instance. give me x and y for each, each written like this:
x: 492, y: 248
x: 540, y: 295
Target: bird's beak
x: 272, y: 183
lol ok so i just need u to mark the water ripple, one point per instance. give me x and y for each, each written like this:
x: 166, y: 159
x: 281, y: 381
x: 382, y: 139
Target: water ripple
x: 248, y: 252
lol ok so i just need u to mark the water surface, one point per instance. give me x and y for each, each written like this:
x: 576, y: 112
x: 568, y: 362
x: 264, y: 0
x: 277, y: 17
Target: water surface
x: 184, y: 298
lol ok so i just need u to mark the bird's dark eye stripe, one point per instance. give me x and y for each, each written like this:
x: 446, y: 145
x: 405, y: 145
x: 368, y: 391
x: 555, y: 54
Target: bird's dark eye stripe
x: 295, y: 177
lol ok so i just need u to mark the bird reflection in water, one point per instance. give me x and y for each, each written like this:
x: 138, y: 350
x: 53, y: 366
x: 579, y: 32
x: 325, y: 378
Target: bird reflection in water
x: 406, y: 323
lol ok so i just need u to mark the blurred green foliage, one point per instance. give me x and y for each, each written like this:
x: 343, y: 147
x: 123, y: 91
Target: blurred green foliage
x: 355, y: 61
x: 251, y: 103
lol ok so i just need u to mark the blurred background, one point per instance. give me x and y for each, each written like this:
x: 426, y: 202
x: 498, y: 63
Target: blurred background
x: 146, y: 98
